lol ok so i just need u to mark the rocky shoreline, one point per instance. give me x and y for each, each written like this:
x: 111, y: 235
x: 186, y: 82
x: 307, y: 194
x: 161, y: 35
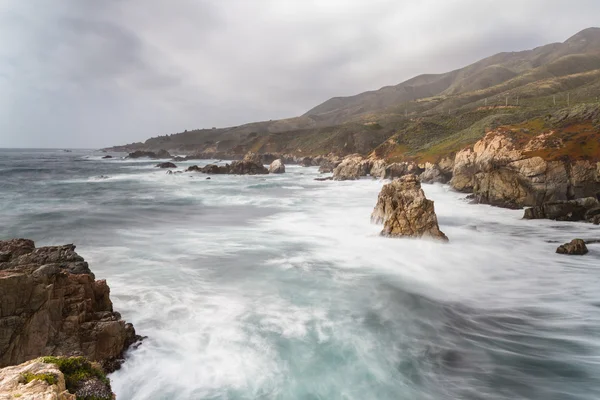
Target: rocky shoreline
x: 52, y: 305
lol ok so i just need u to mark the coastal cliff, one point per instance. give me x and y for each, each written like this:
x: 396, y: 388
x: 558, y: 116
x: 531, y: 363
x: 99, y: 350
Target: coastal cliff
x: 52, y: 305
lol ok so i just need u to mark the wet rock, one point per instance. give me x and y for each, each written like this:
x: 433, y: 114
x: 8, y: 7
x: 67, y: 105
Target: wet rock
x: 106, y: 157
x: 329, y: 178
x: 166, y: 165
x: 568, y: 210
x: 575, y: 247
x: 149, y: 154
x: 405, y: 211
x: 277, y: 167
x: 179, y: 159
x: 247, y: 167
x: 52, y: 305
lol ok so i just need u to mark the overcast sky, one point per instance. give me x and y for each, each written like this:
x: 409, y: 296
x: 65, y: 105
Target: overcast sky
x: 94, y: 73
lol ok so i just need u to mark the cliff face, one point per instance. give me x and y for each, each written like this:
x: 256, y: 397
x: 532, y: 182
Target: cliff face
x: 51, y: 304
x: 515, y: 168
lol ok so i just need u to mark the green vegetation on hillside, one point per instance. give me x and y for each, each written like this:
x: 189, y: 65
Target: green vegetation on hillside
x: 427, y: 117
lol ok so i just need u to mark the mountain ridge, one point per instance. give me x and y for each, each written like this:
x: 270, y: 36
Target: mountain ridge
x: 508, y: 87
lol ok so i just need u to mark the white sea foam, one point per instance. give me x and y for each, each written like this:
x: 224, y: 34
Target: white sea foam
x: 280, y: 287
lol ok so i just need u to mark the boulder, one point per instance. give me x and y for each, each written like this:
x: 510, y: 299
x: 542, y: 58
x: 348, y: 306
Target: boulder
x: 575, y: 247
x: 433, y: 174
x: 378, y: 168
x: 566, y: 210
x: 247, y: 167
x: 106, y: 157
x: 351, y: 168
x: 166, y: 165
x: 404, y: 210
x: 277, y: 167
x: 53, y: 305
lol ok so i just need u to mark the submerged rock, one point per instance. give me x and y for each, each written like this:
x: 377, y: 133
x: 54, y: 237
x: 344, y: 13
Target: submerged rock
x: 277, y: 167
x: 405, y: 211
x: 52, y: 305
x: 166, y: 165
x: 575, y: 247
x: 106, y: 157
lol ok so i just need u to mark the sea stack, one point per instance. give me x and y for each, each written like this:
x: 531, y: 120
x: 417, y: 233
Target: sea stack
x: 404, y: 211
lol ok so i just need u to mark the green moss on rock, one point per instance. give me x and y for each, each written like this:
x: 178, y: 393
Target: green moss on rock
x: 48, y: 378
x: 84, y: 379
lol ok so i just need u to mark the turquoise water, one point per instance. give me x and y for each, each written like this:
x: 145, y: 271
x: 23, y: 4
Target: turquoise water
x: 278, y: 287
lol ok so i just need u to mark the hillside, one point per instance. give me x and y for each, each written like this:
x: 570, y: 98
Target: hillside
x: 424, y: 117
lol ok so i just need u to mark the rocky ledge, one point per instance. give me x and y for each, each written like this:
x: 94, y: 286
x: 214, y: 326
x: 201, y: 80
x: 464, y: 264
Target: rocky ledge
x: 52, y: 305
x: 55, y: 378
x: 405, y: 211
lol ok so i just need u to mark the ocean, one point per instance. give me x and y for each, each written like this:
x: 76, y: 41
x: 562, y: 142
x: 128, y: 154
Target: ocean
x: 279, y: 287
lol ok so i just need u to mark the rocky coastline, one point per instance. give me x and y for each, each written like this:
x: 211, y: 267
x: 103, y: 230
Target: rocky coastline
x: 52, y: 306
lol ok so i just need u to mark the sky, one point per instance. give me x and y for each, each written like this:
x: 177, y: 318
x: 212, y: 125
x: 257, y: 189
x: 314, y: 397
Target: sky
x: 90, y: 73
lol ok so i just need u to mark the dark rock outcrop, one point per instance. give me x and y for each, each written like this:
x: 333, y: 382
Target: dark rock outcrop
x: 150, y: 154
x: 585, y: 209
x: 106, y: 157
x: 166, y: 165
x: 51, y: 304
x: 575, y: 247
x: 405, y: 211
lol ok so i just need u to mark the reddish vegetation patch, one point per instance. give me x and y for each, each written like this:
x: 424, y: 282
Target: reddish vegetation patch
x: 574, y: 142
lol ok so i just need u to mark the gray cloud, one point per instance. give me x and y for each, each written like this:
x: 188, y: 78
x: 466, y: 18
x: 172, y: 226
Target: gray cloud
x: 87, y: 73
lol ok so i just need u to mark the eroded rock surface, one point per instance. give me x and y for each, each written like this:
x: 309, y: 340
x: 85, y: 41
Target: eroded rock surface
x: 277, y: 167
x: 575, y: 247
x: 51, y: 304
x: 507, y: 169
x: 405, y: 211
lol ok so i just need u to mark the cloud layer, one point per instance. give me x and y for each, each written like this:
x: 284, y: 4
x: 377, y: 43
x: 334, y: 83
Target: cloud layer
x: 85, y: 73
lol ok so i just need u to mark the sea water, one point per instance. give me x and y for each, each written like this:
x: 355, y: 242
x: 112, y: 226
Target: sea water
x: 279, y: 287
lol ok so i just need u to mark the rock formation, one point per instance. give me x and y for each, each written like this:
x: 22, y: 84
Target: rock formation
x: 108, y: 156
x: 575, y: 247
x: 166, y: 165
x: 51, y: 304
x: 150, y: 154
x: 586, y: 209
x: 352, y: 168
x: 512, y: 169
x: 405, y: 211
x: 378, y: 169
x: 432, y: 173
x: 277, y: 167
x: 54, y: 378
